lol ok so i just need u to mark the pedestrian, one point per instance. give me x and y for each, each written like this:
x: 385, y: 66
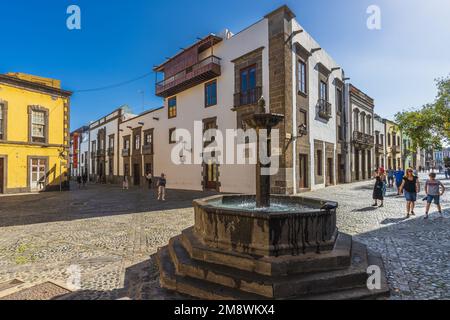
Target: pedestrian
x: 399, y: 175
x: 411, y: 187
x: 149, y: 178
x: 391, y: 178
x: 79, y: 181
x: 447, y: 172
x: 125, y: 184
x: 85, y: 178
x: 379, y: 188
x: 162, y: 187
x: 434, y: 190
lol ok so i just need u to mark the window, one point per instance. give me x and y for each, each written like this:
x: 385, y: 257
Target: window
x: 319, y: 163
x: 356, y: 119
x: 340, y: 135
x: 148, y: 139
x: 339, y: 98
x: 94, y: 146
x: 382, y: 139
x: 301, y: 77
x: 211, y: 94
x: 323, y: 91
x: 172, y: 107
x: 2, y: 120
x: 137, y: 142
x: 249, y: 93
x: 389, y: 139
x: 38, y: 126
x: 111, y: 142
x: 248, y: 79
x: 172, y: 139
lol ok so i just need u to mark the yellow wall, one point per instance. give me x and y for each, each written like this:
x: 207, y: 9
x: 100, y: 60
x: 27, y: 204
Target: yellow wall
x: 17, y: 149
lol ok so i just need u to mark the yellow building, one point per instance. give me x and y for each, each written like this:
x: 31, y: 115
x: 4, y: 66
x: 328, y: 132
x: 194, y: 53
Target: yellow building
x: 393, y: 145
x: 34, y: 134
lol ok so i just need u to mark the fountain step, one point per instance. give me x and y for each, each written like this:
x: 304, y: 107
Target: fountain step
x: 193, y: 287
x: 197, y: 288
x: 337, y: 259
x: 280, y: 287
x: 362, y: 293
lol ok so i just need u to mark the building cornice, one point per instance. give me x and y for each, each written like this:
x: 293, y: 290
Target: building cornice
x: 29, y: 85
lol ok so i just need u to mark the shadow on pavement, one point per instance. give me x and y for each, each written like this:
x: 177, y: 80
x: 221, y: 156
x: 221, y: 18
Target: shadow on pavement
x: 94, y: 201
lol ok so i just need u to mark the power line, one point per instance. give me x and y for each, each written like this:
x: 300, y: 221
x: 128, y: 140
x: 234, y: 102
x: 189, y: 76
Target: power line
x: 120, y: 84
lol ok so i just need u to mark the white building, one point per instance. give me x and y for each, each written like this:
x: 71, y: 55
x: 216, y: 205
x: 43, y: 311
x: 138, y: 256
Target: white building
x: 217, y: 83
x: 104, y: 149
x: 380, y: 145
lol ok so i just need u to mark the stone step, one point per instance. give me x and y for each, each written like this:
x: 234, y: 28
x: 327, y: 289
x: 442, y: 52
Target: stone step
x: 277, y: 286
x: 337, y: 259
x: 194, y: 287
x: 361, y: 293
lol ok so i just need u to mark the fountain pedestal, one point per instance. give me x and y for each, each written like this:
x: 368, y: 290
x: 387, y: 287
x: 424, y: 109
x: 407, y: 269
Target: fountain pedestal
x: 267, y: 247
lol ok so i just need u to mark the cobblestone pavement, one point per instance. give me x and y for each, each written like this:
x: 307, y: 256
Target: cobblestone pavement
x: 109, y: 236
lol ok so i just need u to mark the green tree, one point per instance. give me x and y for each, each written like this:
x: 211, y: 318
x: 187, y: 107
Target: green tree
x: 429, y: 126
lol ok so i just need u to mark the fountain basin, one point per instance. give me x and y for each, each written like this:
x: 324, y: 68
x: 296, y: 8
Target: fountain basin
x: 290, y: 226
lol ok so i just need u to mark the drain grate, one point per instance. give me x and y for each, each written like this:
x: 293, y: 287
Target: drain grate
x: 43, y: 291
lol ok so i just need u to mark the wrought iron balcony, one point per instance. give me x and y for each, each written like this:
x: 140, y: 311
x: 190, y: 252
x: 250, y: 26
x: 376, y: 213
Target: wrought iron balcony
x: 363, y: 140
x: 379, y: 147
x: 147, y: 149
x: 101, y: 153
x: 396, y: 149
x: 125, y: 152
x: 249, y: 97
x: 200, y: 72
x: 324, y: 109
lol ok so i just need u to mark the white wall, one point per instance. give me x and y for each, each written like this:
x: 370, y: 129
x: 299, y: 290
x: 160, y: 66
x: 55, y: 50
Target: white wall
x: 190, y: 108
x: 318, y: 130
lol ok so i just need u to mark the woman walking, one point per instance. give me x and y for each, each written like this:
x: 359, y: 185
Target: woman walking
x: 379, y: 188
x: 411, y: 187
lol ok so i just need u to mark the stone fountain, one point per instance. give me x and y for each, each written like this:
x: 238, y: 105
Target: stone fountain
x: 267, y: 247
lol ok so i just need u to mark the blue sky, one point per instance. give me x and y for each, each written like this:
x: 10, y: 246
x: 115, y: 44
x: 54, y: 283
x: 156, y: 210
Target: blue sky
x: 122, y: 40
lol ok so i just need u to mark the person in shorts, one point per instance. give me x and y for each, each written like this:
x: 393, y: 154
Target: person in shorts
x: 411, y: 187
x: 434, y: 189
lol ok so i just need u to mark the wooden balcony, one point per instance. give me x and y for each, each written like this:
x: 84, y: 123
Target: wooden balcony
x: 196, y: 74
x: 101, y: 153
x: 396, y: 149
x: 249, y: 97
x: 324, y: 109
x: 363, y: 140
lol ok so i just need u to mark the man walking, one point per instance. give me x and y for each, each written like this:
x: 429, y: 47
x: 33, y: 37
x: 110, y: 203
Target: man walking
x: 162, y: 188
x: 434, y: 189
x: 399, y: 175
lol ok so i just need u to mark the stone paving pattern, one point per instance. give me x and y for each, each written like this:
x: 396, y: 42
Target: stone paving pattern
x: 111, y: 235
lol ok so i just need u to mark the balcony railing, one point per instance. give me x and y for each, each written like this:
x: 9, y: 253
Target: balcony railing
x: 147, y: 149
x: 200, y: 72
x: 110, y: 152
x: 363, y: 139
x: 324, y: 109
x: 396, y: 149
x: 379, y: 147
x: 100, y: 152
x: 248, y: 97
x: 125, y: 152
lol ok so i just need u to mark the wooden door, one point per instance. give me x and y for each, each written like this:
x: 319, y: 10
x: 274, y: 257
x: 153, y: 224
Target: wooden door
x: 303, y: 171
x: 136, y: 174
x: 2, y: 176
